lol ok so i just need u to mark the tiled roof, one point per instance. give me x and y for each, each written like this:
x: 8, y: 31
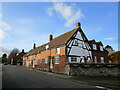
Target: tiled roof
x: 93, y: 41
x: 60, y: 40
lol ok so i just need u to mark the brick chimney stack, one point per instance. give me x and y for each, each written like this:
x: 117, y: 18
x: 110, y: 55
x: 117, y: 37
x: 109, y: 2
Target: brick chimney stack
x: 50, y: 37
x: 78, y: 25
x: 23, y: 50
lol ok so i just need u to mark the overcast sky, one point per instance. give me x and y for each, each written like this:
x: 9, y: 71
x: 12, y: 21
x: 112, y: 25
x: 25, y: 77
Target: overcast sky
x: 24, y: 23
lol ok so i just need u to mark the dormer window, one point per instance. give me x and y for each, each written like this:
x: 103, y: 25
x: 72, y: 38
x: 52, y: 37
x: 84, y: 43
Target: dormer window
x: 94, y: 47
x: 58, y: 50
x: 101, y: 48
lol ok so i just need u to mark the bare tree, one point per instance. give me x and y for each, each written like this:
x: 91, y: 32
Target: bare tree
x: 4, y: 58
x: 12, y: 55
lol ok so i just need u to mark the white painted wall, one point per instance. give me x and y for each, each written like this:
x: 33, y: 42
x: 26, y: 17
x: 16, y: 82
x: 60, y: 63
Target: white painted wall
x: 79, y: 36
x: 81, y: 50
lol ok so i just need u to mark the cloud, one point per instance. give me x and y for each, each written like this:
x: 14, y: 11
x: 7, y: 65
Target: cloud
x: 69, y: 13
x: 4, y: 27
x: 109, y: 38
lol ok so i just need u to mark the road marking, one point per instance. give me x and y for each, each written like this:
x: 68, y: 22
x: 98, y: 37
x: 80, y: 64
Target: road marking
x: 100, y: 87
x: 103, y: 88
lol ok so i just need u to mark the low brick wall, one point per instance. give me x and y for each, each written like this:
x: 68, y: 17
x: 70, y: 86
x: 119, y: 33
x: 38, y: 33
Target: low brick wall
x: 93, y: 69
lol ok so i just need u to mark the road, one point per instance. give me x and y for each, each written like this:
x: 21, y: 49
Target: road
x: 19, y: 77
x: 0, y: 76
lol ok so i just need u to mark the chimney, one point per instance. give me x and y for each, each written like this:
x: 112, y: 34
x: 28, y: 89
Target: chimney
x: 34, y: 46
x: 23, y: 50
x: 78, y: 25
x: 50, y: 37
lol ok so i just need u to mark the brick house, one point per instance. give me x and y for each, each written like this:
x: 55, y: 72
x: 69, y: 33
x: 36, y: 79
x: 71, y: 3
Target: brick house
x: 99, y: 54
x: 58, y: 54
x: 18, y: 59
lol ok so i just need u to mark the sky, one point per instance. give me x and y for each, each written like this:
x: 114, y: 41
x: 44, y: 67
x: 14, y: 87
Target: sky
x: 25, y: 23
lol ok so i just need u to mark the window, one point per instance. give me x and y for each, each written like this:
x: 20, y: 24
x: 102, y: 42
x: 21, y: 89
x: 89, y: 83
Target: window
x: 101, y: 48
x: 94, y: 47
x: 40, y: 60
x: 80, y: 44
x: 73, y: 59
x: 58, y: 50
x: 27, y: 63
x: 102, y: 59
x: 57, y: 60
x: 46, y: 60
x: 76, y: 43
x: 95, y: 59
x: 35, y: 62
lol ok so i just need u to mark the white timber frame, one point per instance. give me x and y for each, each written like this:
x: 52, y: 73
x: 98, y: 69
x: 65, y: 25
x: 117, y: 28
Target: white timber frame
x: 78, y: 47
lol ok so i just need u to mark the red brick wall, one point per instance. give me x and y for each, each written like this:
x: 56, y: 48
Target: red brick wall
x: 60, y: 67
x: 47, y: 54
x: 99, y: 54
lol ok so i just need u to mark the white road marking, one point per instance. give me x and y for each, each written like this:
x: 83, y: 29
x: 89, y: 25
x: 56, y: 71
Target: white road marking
x: 103, y: 88
x: 100, y: 87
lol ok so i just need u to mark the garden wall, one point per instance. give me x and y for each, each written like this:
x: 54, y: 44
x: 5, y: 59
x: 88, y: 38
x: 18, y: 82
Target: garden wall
x: 93, y: 69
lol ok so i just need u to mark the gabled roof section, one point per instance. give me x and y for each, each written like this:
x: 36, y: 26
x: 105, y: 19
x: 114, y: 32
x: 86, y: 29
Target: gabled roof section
x: 60, y: 40
x: 93, y: 40
x: 100, y: 43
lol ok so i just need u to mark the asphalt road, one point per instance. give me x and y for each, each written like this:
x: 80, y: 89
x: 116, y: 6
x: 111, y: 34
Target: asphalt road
x: 19, y: 77
x: 0, y: 76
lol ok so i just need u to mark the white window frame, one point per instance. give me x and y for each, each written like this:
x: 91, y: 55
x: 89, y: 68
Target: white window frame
x: 57, y: 59
x: 27, y: 63
x: 73, y: 59
x: 80, y: 44
x: 101, y: 48
x: 40, y: 60
x: 95, y: 59
x: 46, y: 60
x: 94, y: 46
x: 58, y: 50
x: 75, y: 42
x: 35, y: 62
x: 102, y: 59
